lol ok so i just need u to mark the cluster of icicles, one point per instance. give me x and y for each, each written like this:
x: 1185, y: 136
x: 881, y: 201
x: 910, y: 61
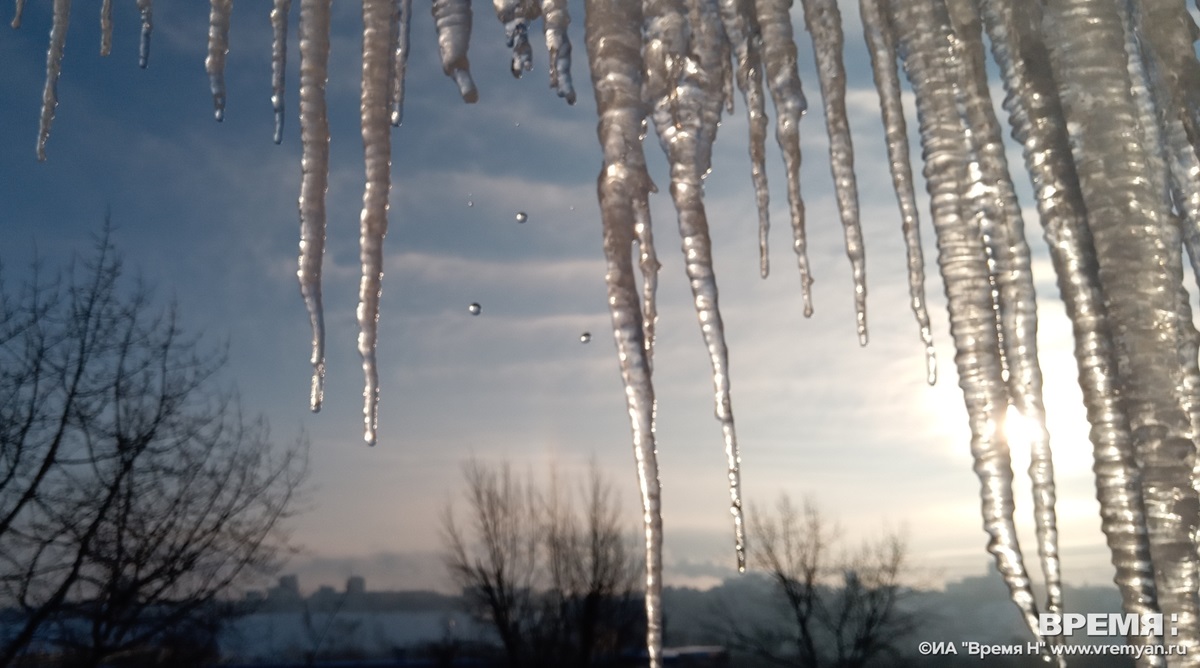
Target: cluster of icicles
x: 1109, y: 118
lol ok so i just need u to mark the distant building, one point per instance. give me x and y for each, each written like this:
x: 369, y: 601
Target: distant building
x: 356, y: 585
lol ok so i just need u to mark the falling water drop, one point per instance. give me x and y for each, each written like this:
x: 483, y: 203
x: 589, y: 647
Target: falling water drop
x: 585, y: 337
x: 474, y: 308
x: 470, y: 202
x: 522, y: 216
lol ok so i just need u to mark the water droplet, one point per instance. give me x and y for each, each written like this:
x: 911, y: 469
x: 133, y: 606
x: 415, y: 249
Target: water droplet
x: 522, y: 217
x: 470, y: 203
x: 585, y: 337
x: 474, y: 308
x: 572, y: 207
x: 518, y: 124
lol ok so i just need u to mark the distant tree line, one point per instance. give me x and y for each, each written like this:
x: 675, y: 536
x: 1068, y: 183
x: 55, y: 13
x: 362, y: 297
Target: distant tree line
x: 133, y: 490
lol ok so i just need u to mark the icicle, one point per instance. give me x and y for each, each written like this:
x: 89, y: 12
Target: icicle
x: 923, y: 29
x: 516, y: 15
x: 218, y: 48
x: 741, y: 27
x: 453, y: 20
x: 400, y: 65
x: 1037, y: 122
x: 614, y: 29
x: 824, y: 22
x: 779, y: 59
x: 556, y: 19
x: 999, y: 217
x: 146, y: 7
x: 378, y: 51
x: 686, y: 100
x: 105, y: 27
x: 647, y: 260
x: 881, y: 40
x: 1128, y: 231
x: 314, y: 140
x: 279, y: 25
x: 18, y: 10
x: 1168, y: 33
x: 54, y: 56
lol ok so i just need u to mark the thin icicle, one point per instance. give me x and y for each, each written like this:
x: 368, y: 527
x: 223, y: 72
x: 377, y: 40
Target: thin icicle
x: 555, y: 20
x: 648, y: 262
x: 18, y: 11
x: 999, y: 216
x: 614, y: 29
x: 146, y: 7
x: 779, y: 60
x: 218, y: 48
x: 881, y: 40
x: 400, y: 64
x: 1124, y: 213
x: 378, y: 51
x: 106, y: 27
x: 314, y: 140
x: 54, y: 56
x: 453, y: 21
x: 824, y: 22
x: 686, y: 99
x: 924, y: 33
x: 1014, y: 29
x: 741, y: 27
x: 279, y: 26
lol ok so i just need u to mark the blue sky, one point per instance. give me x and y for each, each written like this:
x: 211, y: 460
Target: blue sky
x: 207, y: 213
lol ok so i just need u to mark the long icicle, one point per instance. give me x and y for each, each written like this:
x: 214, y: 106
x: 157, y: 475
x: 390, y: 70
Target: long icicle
x: 1014, y: 29
x: 824, y: 22
x: 686, y: 99
x: 741, y: 27
x: 779, y: 61
x: 453, y: 21
x: 106, y: 27
x: 924, y: 32
x: 146, y: 7
x: 279, y: 25
x: 378, y: 51
x: 314, y: 140
x: 400, y: 64
x: 218, y: 48
x: 614, y: 29
x: 1137, y: 286
x: 18, y: 12
x: 1170, y: 70
x: 54, y: 56
x: 555, y: 20
x: 1012, y: 276
x: 881, y: 42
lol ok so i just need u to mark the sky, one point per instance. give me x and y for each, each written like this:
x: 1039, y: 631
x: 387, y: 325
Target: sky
x: 206, y: 212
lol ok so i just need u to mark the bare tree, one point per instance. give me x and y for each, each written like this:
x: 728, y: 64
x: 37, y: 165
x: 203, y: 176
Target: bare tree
x: 133, y: 492
x: 555, y: 583
x: 841, y: 608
